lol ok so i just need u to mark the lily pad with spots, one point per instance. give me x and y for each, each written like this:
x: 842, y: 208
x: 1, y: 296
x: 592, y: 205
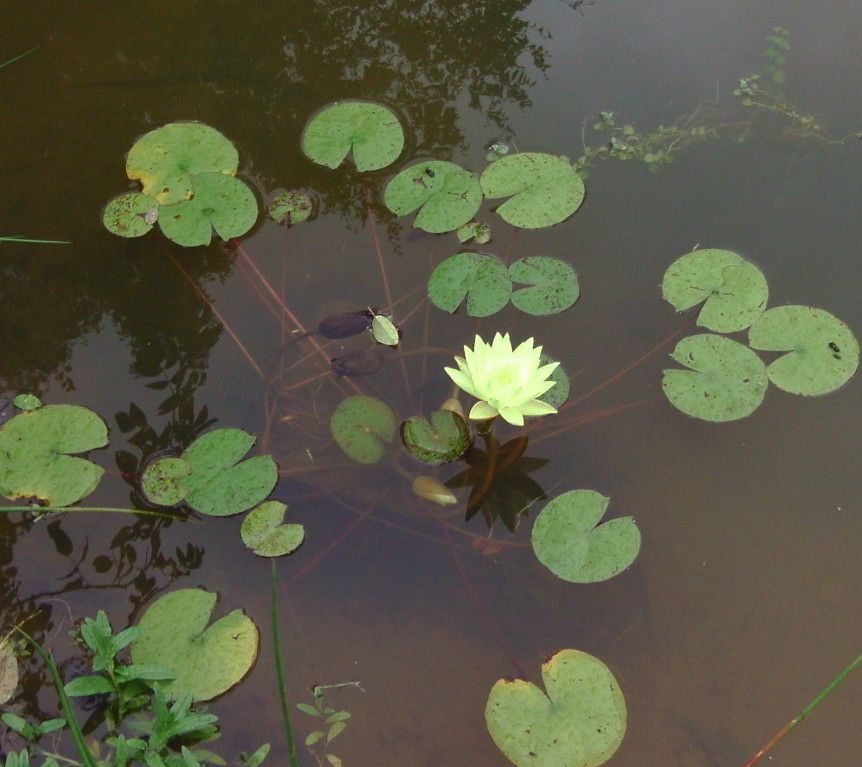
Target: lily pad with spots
x: 130, y: 215
x: 263, y: 532
x: 725, y: 380
x: 362, y: 427
x: 442, y: 439
x: 480, y: 279
x: 823, y: 352
x: 553, y: 285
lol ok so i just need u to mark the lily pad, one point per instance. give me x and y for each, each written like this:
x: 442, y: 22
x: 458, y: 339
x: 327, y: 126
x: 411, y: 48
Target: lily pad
x: 570, y: 542
x: 264, y: 534
x: 207, y: 660
x: 824, y: 353
x: 544, y: 189
x: 446, y: 195
x: 290, y: 208
x: 362, y: 426
x: 474, y: 230
x: 130, y: 215
x: 559, y: 392
x: 220, y: 484
x: 725, y: 380
x: 35, y: 446
x: 554, y: 285
x: 160, y: 480
x: 372, y: 132
x: 579, y: 722
x: 220, y: 202
x: 165, y: 159
x: 441, y: 440
x: 482, y: 280
x: 734, y: 290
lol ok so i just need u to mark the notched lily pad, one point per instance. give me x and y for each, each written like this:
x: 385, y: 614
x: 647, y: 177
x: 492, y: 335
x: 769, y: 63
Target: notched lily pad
x: 290, y: 208
x: 483, y: 280
x: 579, y: 721
x: 130, y: 215
x: 545, y: 189
x: 734, y: 290
x: 264, y: 534
x: 36, y: 447
x: 165, y: 159
x: 474, y: 230
x: 160, y: 480
x: 553, y: 285
x: 570, y: 542
x: 220, y: 202
x: 362, y: 427
x: 443, y: 439
x: 446, y: 195
x: 207, y: 660
x: 372, y: 132
x: 725, y: 380
x: 823, y: 352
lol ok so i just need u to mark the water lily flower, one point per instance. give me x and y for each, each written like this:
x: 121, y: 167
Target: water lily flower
x: 506, y: 381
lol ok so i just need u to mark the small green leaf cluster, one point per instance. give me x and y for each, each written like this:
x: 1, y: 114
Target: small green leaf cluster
x: 332, y: 724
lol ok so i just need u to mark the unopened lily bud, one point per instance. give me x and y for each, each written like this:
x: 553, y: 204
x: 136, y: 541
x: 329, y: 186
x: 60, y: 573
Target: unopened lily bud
x: 432, y: 489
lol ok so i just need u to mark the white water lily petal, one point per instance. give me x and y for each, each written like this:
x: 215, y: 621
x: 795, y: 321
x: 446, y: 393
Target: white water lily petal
x: 481, y: 411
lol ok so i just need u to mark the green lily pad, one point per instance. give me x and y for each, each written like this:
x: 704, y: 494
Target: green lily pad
x: 160, y: 480
x: 264, y: 534
x: 570, y: 542
x: 26, y: 402
x: 734, y: 289
x: 130, y: 215
x: 165, y: 159
x: 482, y: 280
x: 580, y: 722
x: 554, y: 285
x: 474, y: 230
x: 362, y: 426
x: 725, y: 380
x: 443, y: 439
x: 373, y: 132
x: 207, y: 660
x: 544, y: 189
x: 290, y: 208
x: 35, y: 446
x: 446, y: 195
x: 220, y: 484
x: 824, y: 353
x: 220, y: 202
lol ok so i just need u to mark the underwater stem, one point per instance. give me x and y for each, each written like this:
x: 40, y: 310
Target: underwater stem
x: 279, y: 668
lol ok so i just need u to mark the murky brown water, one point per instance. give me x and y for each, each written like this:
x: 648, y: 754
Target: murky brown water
x: 743, y: 603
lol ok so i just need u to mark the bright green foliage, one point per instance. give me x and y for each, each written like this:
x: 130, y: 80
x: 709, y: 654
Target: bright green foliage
x: 290, y: 208
x: 331, y: 723
x: 734, y: 289
x: 823, y: 352
x: 580, y: 722
x: 553, y: 285
x: 559, y: 392
x: 264, y: 534
x: 570, y: 542
x: 482, y: 280
x: 372, y: 131
x: 362, y: 427
x: 544, y: 189
x: 725, y: 380
x: 26, y: 401
x: 130, y: 215
x: 166, y: 159
x: 384, y: 330
x: 474, y: 230
x: 35, y: 446
x: 210, y: 476
x: 220, y: 202
x: 446, y: 195
x: 441, y: 440
x: 207, y: 660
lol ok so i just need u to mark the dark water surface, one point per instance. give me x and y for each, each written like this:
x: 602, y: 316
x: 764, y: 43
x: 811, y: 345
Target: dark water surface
x: 744, y: 601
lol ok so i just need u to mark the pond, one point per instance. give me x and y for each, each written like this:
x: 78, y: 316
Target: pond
x: 742, y: 603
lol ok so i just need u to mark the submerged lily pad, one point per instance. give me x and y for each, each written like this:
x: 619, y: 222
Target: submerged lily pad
x: 570, y: 542
x: 446, y: 195
x: 207, y: 660
x: 220, y: 202
x: 165, y: 159
x: 579, y: 722
x: 725, y: 380
x: 290, y: 208
x: 559, y: 392
x: 553, y: 285
x: 130, y: 215
x: 441, y: 440
x: 734, y: 289
x: 482, y: 280
x: 544, y: 189
x: 35, y: 447
x: 372, y: 132
x: 264, y: 534
x: 362, y: 426
x: 824, y: 353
